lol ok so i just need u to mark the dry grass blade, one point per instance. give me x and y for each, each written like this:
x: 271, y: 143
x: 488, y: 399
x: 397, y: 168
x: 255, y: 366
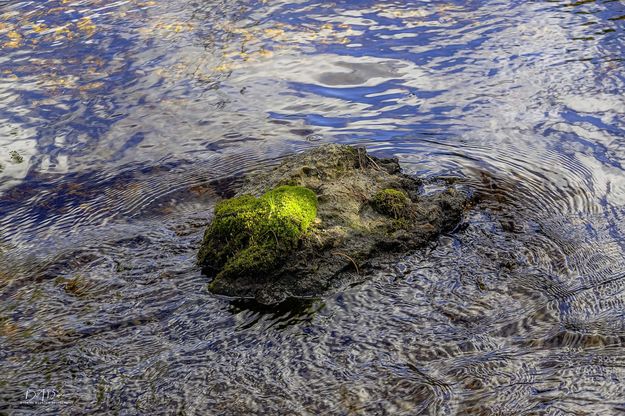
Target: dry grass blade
x: 350, y: 259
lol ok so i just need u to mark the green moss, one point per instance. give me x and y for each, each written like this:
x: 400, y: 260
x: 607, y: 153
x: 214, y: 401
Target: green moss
x: 399, y: 224
x: 390, y: 202
x: 249, y: 235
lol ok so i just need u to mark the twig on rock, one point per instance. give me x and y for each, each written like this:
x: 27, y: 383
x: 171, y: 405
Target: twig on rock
x: 374, y: 164
x: 349, y: 258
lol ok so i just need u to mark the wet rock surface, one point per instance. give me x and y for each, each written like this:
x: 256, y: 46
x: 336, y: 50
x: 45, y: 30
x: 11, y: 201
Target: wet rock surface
x: 367, y: 212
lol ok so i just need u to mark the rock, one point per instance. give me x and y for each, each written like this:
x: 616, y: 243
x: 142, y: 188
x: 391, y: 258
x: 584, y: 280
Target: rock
x: 318, y: 220
x: 16, y: 157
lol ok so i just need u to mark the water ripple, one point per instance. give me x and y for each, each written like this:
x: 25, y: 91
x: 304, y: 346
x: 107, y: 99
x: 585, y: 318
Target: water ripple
x: 122, y: 123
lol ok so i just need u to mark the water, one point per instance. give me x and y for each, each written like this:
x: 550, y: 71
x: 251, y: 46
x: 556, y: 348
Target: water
x: 132, y: 118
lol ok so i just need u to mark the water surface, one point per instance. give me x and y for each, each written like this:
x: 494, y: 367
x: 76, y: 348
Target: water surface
x: 122, y: 123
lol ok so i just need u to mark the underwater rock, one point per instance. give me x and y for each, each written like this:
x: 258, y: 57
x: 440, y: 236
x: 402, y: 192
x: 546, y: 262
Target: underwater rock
x: 321, y: 218
x: 16, y: 157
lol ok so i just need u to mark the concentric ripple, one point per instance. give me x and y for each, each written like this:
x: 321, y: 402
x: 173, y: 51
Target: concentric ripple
x: 122, y: 123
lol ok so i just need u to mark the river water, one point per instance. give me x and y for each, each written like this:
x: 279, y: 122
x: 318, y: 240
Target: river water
x: 123, y: 122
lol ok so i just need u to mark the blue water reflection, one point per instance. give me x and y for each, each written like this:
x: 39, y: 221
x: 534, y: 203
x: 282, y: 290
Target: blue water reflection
x: 133, y: 117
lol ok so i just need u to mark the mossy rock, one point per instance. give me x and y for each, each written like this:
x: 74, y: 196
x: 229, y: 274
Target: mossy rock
x: 319, y: 220
x: 249, y: 235
x: 391, y: 202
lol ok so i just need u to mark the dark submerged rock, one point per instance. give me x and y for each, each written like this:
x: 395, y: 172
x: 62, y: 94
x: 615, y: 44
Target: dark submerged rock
x: 319, y: 219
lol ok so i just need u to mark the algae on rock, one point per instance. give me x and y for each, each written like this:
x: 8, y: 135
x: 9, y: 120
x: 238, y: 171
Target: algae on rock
x: 249, y: 234
x: 391, y: 202
x: 318, y: 220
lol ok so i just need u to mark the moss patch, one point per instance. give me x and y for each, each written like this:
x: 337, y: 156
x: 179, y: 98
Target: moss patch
x: 250, y: 235
x: 390, y: 202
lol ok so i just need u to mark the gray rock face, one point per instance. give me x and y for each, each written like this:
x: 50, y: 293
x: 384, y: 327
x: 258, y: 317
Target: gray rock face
x: 368, y: 212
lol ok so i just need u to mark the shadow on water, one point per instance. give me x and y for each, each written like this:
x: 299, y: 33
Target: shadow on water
x: 292, y: 311
x: 122, y: 124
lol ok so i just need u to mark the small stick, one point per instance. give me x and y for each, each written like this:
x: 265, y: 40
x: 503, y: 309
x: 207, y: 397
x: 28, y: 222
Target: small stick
x: 275, y: 236
x: 373, y: 161
x: 360, y: 159
x: 352, y: 260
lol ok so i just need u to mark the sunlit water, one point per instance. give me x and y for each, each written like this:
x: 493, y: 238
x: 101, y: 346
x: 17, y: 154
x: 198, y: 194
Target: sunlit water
x: 122, y: 123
